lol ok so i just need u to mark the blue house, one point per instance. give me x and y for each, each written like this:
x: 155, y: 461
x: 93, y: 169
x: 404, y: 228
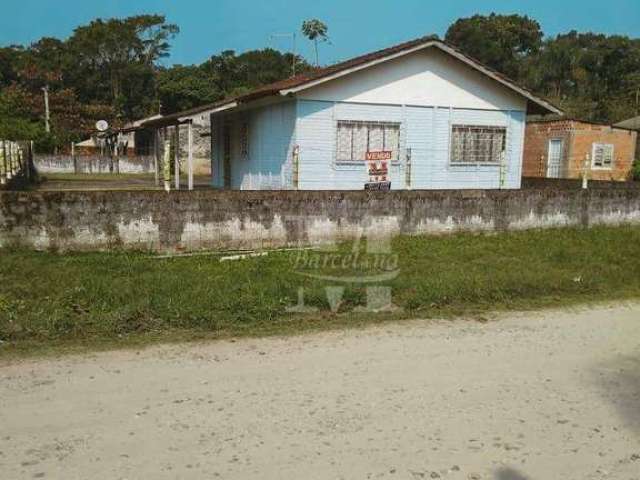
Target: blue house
x: 420, y: 115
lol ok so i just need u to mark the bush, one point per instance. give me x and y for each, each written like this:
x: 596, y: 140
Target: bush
x: 635, y: 171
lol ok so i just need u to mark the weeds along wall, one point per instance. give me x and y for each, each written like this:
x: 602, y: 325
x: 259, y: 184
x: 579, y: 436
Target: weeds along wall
x: 225, y: 220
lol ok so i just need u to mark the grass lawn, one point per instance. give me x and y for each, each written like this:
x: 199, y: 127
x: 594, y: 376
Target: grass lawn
x: 50, y: 302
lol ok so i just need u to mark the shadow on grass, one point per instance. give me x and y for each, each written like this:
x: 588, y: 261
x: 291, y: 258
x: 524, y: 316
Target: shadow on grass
x: 619, y: 384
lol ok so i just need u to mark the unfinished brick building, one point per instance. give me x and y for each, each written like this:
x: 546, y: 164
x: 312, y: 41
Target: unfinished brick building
x: 566, y: 148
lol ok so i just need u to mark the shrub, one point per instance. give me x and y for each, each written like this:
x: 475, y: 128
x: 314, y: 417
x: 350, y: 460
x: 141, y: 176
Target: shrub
x: 635, y: 171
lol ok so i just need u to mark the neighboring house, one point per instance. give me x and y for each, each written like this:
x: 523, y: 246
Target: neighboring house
x: 139, y: 139
x: 632, y: 124
x: 90, y: 146
x: 567, y: 148
x: 430, y: 116
x: 132, y: 138
x: 98, y: 145
x: 165, y: 127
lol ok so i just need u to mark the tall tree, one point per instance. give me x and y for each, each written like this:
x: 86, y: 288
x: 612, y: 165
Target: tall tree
x: 44, y: 63
x: 183, y: 87
x: 590, y: 75
x: 316, y: 31
x: 116, y: 59
x: 500, y: 41
x: 10, y: 59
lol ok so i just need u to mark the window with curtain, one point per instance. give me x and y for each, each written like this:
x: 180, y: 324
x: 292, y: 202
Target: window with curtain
x: 477, y: 144
x: 356, y: 138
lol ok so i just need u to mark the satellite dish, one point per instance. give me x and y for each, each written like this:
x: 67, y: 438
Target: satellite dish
x: 102, y: 125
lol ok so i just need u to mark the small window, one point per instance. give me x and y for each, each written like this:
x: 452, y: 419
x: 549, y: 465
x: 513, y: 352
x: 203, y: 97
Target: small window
x: 602, y: 155
x: 356, y: 139
x: 476, y: 144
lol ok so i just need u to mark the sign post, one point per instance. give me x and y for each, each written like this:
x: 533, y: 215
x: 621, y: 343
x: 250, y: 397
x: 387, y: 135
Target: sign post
x: 378, y: 167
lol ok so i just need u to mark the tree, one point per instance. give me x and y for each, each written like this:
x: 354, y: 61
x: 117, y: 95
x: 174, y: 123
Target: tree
x: 500, y: 41
x: 592, y: 76
x: 316, y: 31
x: 116, y: 60
x: 183, y: 87
x: 22, y: 110
x: 10, y: 59
x: 44, y: 63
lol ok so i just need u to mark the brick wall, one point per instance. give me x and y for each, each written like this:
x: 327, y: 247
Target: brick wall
x: 536, y: 145
x: 209, y: 219
x: 579, y: 138
x: 624, y: 142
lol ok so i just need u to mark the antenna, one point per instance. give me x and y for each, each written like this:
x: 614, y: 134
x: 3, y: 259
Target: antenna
x: 102, y: 125
x: 293, y: 38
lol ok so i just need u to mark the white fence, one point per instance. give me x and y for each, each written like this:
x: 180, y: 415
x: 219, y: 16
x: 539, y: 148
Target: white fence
x: 14, y: 158
x: 93, y: 164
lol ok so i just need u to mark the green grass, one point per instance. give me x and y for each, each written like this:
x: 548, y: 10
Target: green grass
x: 95, y: 300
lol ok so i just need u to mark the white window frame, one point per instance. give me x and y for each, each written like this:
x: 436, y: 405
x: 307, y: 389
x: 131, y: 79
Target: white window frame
x: 368, y: 123
x: 502, y: 156
x: 561, y: 163
x: 594, y: 147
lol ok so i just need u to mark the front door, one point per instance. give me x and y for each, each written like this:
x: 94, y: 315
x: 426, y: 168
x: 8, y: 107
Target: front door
x: 554, y: 164
x: 226, y: 155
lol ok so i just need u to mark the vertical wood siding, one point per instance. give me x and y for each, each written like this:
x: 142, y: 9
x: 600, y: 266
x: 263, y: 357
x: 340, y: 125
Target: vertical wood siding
x: 271, y: 136
x: 425, y: 130
x: 274, y: 130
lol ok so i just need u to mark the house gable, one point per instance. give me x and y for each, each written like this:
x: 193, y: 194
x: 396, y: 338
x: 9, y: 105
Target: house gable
x: 428, y: 77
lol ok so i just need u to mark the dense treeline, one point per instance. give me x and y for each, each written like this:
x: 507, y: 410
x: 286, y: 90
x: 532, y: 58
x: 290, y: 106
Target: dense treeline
x: 112, y: 69
x: 589, y: 75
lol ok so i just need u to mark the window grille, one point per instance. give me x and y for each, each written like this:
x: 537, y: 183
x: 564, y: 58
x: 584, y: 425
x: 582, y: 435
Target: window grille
x: 477, y: 144
x: 602, y: 155
x: 356, y: 138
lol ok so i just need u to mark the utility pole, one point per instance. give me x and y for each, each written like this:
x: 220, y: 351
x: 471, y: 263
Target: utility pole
x: 47, y: 127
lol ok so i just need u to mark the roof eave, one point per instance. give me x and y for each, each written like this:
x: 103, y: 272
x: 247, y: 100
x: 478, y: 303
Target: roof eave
x: 185, y: 116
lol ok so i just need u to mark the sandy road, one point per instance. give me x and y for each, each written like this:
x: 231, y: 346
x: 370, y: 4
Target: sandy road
x: 554, y: 395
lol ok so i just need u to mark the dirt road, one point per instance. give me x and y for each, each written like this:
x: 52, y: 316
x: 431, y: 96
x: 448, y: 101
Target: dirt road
x: 554, y: 395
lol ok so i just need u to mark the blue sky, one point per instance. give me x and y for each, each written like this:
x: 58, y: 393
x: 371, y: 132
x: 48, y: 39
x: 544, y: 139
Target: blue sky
x: 355, y: 26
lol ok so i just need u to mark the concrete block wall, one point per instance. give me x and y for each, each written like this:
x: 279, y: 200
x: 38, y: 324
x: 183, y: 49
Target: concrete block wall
x: 576, y: 184
x: 201, y: 148
x: 224, y: 220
